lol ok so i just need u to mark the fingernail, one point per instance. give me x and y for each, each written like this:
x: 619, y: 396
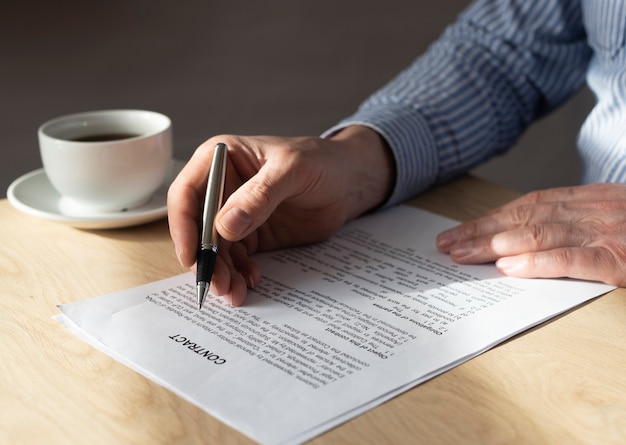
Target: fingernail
x: 179, y: 255
x: 461, y: 252
x: 508, y: 265
x: 236, y: 221
x: 444, y: 240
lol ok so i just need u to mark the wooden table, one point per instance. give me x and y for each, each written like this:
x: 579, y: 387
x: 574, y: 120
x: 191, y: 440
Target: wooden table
x: 561, y: 383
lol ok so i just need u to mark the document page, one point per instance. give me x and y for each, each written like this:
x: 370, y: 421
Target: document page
x: 332, y: 330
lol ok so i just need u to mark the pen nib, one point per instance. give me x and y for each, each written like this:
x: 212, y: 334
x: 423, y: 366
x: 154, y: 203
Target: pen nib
x: 201, y: 290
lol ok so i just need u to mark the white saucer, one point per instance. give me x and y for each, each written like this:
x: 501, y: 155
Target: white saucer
x: 33, y: 194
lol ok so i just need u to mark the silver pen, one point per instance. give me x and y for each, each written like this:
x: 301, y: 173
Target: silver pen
x: 207, y: 253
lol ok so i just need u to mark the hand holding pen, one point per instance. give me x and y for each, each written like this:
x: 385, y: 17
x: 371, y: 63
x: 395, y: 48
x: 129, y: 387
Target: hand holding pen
x: 207, y: 253
x: 279, y: 192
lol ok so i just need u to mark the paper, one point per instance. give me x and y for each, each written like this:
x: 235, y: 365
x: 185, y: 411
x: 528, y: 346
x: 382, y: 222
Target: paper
x: 332, y: 330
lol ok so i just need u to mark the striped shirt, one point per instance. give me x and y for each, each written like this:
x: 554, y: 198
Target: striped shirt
x: 502, y: 65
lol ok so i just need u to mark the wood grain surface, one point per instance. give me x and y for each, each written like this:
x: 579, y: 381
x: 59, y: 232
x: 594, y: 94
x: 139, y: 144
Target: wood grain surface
x: 561, y: 383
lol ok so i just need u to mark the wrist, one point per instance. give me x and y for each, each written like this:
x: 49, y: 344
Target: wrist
x: 370, y: 169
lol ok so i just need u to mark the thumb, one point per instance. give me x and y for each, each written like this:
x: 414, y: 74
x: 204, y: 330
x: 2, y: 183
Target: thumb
x: 252, y: 203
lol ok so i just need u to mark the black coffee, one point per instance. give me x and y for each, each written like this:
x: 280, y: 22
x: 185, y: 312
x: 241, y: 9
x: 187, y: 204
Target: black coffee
x: 104, y: 137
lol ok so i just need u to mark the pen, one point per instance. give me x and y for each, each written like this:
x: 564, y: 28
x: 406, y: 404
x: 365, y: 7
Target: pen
x: 207, y: 253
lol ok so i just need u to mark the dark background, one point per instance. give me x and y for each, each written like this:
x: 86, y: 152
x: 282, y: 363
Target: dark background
x: 244, y: 67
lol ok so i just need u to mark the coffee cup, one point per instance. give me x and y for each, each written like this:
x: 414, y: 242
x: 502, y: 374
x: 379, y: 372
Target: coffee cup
x: 106, y: 161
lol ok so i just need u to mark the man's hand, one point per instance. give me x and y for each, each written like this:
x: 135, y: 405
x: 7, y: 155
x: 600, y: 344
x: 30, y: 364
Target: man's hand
x: 280, y: 192
x: 576, y: 232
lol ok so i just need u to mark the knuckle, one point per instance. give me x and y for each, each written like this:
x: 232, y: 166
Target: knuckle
x: 261, y: 195
x: 521, y: 215
x: 225, y: 138
x: 469, y: 230
x: 611, y: 267
x: 533, y: 197
x: 206, y: 148
x: 537, y: 235
x: 613, y: 258
x: 564, y: 258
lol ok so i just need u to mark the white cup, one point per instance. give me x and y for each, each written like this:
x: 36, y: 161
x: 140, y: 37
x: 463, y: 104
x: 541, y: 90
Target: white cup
x: 106, y: 161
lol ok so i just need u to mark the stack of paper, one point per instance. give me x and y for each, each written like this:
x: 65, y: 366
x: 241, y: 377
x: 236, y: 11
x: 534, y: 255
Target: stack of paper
x: 332, y: 330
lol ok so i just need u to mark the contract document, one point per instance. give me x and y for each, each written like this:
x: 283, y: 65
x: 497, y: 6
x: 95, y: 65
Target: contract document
x: 332, y: 330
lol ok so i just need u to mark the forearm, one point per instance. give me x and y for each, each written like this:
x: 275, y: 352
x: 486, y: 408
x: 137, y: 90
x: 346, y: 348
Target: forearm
x: 476, y: 89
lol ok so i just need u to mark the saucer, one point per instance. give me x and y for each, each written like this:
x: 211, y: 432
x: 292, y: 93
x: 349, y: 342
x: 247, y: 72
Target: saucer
x: 33, y: 194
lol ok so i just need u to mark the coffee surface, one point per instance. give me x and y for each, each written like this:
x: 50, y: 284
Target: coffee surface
x: 104, y: 137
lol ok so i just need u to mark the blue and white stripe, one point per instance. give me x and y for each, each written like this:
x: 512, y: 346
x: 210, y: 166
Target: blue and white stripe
x: 602, y: 139
x: 502, y: 65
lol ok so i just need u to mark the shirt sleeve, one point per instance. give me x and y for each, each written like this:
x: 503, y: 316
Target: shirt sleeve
x: 502, y: 65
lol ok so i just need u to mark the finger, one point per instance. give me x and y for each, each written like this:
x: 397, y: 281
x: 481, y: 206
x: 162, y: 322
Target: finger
x: 534, y: 238
x: 247, y: 270
x: 575, y: 213
x: 238, y: 291
x: 183, y: 208
x: 585, y: 263
x: 252, y: 204
x: 234, y: 272
x: 520, y: 216
x: 227, y: 282
x: 220, y: 281
x: 245, y: 265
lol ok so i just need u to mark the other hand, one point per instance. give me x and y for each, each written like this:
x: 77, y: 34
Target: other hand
x: 577, y: 232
